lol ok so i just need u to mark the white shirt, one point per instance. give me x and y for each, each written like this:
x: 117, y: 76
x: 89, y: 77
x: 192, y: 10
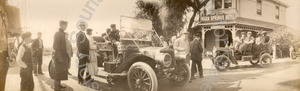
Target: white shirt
x: 182, y: 45
x: 92, y: 42
x: 21, y: 52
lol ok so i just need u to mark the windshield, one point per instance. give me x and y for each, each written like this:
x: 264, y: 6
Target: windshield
x: 136, y: 32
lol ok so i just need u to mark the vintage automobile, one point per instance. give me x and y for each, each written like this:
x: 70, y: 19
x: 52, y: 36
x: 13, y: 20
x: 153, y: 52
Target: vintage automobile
x: 224, y: 56
x: 140, y: 63
x: 295, y: 50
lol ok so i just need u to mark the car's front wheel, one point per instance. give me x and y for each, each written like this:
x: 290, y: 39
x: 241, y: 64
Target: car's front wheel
x: 141, y: 77
x: 181, y: 75
x: 222, y: 63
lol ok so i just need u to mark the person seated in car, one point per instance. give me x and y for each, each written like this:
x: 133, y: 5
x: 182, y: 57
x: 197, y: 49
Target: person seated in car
x: 115, y: 38
x: 106, y: 37
x: 259, y: 42
x: 266, y: 37
x: 164, y: 43
x: 239, y: 41
x: 247, y: 43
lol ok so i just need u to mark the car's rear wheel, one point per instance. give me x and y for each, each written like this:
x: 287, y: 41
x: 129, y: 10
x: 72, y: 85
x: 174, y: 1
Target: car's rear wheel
x: 141, y: 77
x: 222, y: 63
x: 181, y: 75
x: 265, y: 60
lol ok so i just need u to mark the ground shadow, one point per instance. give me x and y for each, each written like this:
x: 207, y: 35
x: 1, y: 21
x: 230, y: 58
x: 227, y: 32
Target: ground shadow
x: 50, y: 82
x: 291, y: 83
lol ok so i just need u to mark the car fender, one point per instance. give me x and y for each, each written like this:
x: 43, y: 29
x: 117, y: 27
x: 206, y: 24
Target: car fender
x: 125, y: 65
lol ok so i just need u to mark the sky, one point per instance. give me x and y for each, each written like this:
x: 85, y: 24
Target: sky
x: 44, y: 15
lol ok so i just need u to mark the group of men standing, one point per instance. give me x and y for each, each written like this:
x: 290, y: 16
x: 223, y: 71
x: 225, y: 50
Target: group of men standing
x: 60, y: 63
x: 62, y: 53
x: 182, y: 46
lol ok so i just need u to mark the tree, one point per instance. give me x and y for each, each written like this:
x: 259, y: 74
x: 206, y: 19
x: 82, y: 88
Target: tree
x: 282, y: 39
x: 167, y: 15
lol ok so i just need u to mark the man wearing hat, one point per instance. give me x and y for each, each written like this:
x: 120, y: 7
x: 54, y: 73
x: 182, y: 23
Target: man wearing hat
x: 37, y: 48
x: 115, y: 37
x: 181, y: 44
x: 83, y: 46
x: 9, y: 26
x: 24, y: 59
x: 257, y: 47
x: 3, y: 45
x: 247, y: 43
x: 196, y: 51
x: 59, y: 65
x: 114, y: 34
x: 239, y: 41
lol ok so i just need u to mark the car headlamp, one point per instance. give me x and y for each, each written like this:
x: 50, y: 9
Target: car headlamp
x: 167, y: 61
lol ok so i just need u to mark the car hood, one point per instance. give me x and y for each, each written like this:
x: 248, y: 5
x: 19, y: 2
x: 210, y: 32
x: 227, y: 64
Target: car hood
x: 152, y: 52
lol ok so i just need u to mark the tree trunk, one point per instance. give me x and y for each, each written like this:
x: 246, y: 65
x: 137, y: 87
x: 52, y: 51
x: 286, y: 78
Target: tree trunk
x: 191, y: 24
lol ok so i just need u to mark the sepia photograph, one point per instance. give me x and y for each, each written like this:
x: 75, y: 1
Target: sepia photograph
x: 150, y: 45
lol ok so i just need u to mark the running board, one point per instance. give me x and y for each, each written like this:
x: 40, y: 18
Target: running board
x: 104, y: 74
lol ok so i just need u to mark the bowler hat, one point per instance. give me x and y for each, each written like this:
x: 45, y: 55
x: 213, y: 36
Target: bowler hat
x: 63, y: 22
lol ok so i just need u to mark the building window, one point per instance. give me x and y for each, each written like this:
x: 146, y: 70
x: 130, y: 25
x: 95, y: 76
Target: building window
x: 228, y: 3
x: 259, y: 6
x: 277, y: 12
x: 218, y: 4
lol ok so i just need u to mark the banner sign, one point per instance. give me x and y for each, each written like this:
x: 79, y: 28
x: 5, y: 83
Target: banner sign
x: 215, y: 18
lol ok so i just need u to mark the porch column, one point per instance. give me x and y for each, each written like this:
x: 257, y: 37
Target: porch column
x: 223, y: 4
x: 203, y: 38
x: 233, y: 32
x: 274, y: 51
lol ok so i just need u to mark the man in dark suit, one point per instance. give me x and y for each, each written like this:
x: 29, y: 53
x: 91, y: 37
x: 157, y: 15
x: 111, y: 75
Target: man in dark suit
x: 196, y: 51
x: 83, y: 47
x: 10, y: 26
x: 37, y: 49
x: 3, y: 44
x: 115, y: 37
x: 60, y: 57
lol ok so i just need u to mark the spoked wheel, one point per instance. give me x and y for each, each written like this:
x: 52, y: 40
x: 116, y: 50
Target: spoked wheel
x: 222, y: 63
x: 254, y: 62
x: 265, y: 60
x: 12, y: 60
x: 181, y: 75
x: 141, y: 77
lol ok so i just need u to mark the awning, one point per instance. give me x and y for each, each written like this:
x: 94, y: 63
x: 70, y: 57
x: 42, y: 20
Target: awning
x: 256, y: 23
